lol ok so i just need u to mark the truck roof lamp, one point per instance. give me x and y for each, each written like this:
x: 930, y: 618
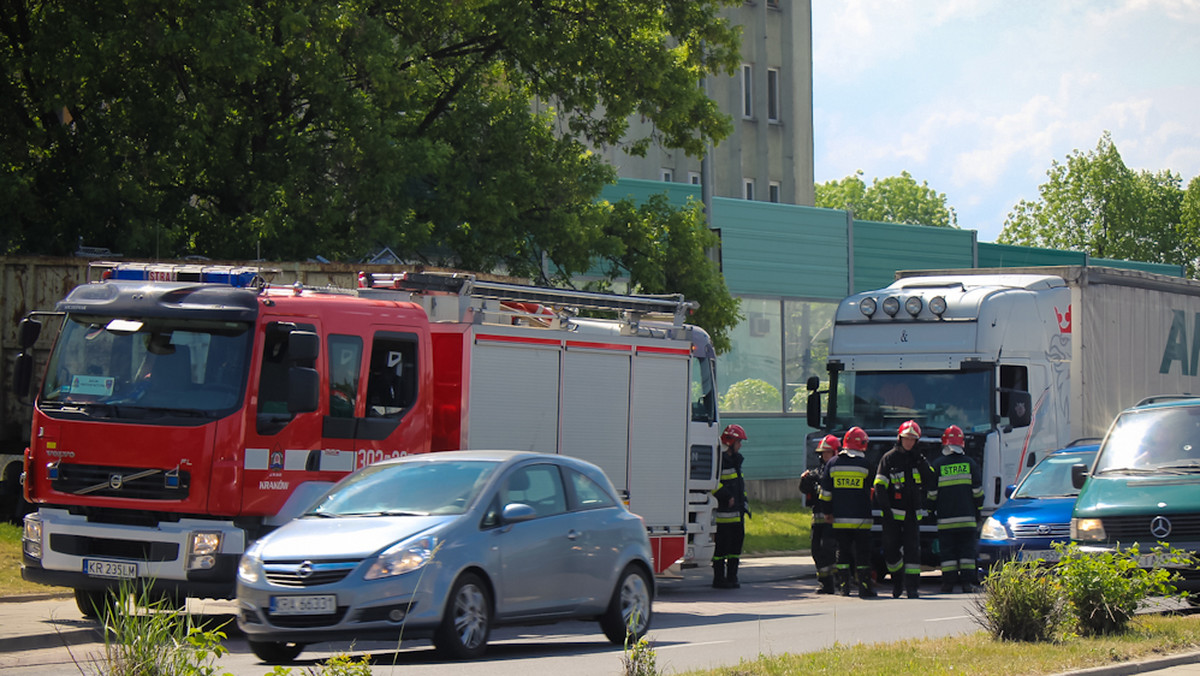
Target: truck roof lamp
x: 913, y: 305
x: 867, y: 307
x: 937, y: 305
x: 891, y: 305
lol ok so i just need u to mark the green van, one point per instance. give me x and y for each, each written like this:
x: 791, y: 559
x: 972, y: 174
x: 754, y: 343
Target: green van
x: 1144, y: 485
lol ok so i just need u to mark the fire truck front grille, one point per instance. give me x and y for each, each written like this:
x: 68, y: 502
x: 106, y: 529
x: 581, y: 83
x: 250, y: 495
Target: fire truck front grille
x: 1130, y: 529
x: 122, y: 482
x: 307, y: 574
x: 78, y: 545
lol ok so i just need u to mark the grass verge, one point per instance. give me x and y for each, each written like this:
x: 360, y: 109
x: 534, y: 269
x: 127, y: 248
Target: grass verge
x: 11, y: 583
x: 783, y: 526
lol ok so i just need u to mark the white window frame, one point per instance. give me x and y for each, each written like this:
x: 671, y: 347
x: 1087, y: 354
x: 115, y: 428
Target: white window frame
x: 773, y: 94
x: 747, y: 91
x: 774, y: 192
x: 667, y: 175
x: 694, y: 177
x: 748, y: 188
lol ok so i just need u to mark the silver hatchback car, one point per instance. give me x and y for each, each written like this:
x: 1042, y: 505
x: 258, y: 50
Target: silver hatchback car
x: 447, y: 545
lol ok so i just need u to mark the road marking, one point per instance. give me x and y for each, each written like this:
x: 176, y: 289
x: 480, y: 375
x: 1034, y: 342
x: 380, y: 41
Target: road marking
x: 947, y: 619
x: 690, y: 645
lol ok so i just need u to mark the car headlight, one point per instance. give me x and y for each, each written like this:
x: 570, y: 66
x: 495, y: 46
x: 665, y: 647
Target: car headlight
x: 403, y: 557
x: 250, y: 568
x: 993, y: 530
x: 1087, y: 530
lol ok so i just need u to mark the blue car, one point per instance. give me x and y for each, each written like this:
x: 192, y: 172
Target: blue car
x: 1038, y: 511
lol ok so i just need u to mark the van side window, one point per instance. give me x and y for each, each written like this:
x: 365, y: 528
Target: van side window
x: 1012, y: 378
x: 392, y: 382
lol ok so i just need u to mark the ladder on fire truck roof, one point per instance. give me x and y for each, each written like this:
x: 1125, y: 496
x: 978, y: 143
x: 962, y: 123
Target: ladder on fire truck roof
x: 468, y: 285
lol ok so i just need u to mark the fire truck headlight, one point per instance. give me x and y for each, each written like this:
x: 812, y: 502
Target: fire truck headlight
x: 404, y: 557
x: 250, y: 568
x: 993, y: 530
x: 202, y: 550
x: 31, y: 537
x: 1087, y: 530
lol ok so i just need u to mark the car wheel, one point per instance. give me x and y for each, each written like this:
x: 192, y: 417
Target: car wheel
x: 95, y: 604
x: 629, y: 609
x: 467, y: 620
x: 273, y: 652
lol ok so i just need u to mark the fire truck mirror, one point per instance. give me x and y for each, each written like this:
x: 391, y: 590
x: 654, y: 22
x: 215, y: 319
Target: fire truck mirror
x: 303, y: 386
x: 22, y: 376
x: 27, y: 332
x: 302, y: 346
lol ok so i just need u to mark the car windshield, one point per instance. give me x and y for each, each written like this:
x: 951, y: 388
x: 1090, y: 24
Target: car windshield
x: 1051, y: 478
x: 407, y: 489
x: 936, y: 399
x: 1158, y: 440
x: 127, y: 367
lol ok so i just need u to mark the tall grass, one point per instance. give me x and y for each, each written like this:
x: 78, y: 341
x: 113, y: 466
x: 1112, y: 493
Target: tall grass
x: 782, y: 526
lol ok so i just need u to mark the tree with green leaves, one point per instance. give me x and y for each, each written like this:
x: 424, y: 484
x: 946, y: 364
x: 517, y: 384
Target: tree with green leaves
x: 897, y: 199
x: 1093, y: 203
x: 293, y: 128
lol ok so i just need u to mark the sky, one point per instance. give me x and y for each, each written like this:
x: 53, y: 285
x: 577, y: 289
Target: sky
x: 978, y: 97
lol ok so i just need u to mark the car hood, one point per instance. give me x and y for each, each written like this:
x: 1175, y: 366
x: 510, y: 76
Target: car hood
x: 343, y: 537
x: 1121, y: 495
x: 1036, y: 510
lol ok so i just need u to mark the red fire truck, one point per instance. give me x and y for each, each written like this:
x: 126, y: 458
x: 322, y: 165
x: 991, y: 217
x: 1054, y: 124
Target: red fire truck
x: 186, y: 411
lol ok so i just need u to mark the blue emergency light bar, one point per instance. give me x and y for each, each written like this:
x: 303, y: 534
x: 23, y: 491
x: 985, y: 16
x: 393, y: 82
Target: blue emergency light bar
x: 240, y: 277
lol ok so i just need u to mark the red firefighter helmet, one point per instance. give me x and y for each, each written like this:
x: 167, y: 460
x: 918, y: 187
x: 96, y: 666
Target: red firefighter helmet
x: 733, y: 432
x: 910, y: 428
x: 855, y: 439
x: 953, y: 436
x: 829, y: 443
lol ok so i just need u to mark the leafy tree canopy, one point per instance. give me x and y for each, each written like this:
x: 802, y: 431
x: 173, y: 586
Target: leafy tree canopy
x: 291, y: 128
x: 898, y: 199
x: 1093, y: 203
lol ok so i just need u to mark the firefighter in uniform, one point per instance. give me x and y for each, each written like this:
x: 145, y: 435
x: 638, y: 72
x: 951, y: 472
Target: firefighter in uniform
x: 957, y: 498
x: 731, y: 510
x: 901, y: 484
x: 846, y: 489
x: 823, y: 543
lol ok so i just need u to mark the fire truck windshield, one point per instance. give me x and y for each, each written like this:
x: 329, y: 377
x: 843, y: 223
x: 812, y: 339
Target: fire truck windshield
x: 935, y: 399
x: 126, y: 367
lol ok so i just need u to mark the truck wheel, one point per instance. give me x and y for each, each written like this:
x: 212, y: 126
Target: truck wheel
x: 629, y: 610
x: 273, y: 652
x: 95, y: 604
x: 467, y: 620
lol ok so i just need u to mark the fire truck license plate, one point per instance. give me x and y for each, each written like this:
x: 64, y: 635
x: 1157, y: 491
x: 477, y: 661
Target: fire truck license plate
x: 119, y: 570
x: 324, y: 604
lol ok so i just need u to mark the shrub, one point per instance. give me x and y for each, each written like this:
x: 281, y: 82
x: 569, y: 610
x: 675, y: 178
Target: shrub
x: 1103, y: 590
x: 1021, y: 601
x: 752, y: 394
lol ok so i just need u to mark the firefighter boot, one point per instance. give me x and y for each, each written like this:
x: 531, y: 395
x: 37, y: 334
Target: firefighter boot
x: 948, y: 578
x: 843, y: 582
x: 912, y: 585
x: 897, y: 584
x: 718, y: 574
x: 826, y: 580
x: 731, y: 578
x: 866, y: 590
x: 968, y: 581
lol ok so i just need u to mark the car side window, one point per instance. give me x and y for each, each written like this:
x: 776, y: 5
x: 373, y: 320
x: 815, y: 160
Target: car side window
x: 539, y: 486
x: 587, y: 493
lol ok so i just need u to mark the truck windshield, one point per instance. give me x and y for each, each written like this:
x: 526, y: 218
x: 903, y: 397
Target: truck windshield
x: 1163, y: 440
x: 129, y: 368
x: 935, y: 399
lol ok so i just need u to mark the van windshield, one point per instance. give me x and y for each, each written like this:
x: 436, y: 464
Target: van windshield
x: 1161, y: 440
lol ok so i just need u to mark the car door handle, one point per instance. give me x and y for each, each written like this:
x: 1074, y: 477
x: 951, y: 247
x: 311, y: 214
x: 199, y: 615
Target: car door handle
x: 572, y: 534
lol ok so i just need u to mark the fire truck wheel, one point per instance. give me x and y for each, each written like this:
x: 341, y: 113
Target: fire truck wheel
x: 467, y: 620
x: 95, y: 603
x: 272, y: 652
x: 629, y: 610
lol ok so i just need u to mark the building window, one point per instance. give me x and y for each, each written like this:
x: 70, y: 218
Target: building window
x: 694, y: 177
x: 668, y: 175
x: 779, y: 345
x: 773, y: 4
x: 747, y: 90
x: 773, y: 94
x: 748, y: 188
x: 773, y: 192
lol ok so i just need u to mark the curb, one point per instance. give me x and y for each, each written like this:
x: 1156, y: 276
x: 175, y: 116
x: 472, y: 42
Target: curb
x: 36, y: 596
x: 1138, y: 667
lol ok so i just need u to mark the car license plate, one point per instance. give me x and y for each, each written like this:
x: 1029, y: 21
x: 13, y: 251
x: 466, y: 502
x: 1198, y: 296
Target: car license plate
x: 117, y: 570
x: 322, y: 604
x: 1047, y: 555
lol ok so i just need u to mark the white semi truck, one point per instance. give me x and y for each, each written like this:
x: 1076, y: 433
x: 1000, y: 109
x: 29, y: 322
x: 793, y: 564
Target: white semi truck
x: 1024, y: 360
